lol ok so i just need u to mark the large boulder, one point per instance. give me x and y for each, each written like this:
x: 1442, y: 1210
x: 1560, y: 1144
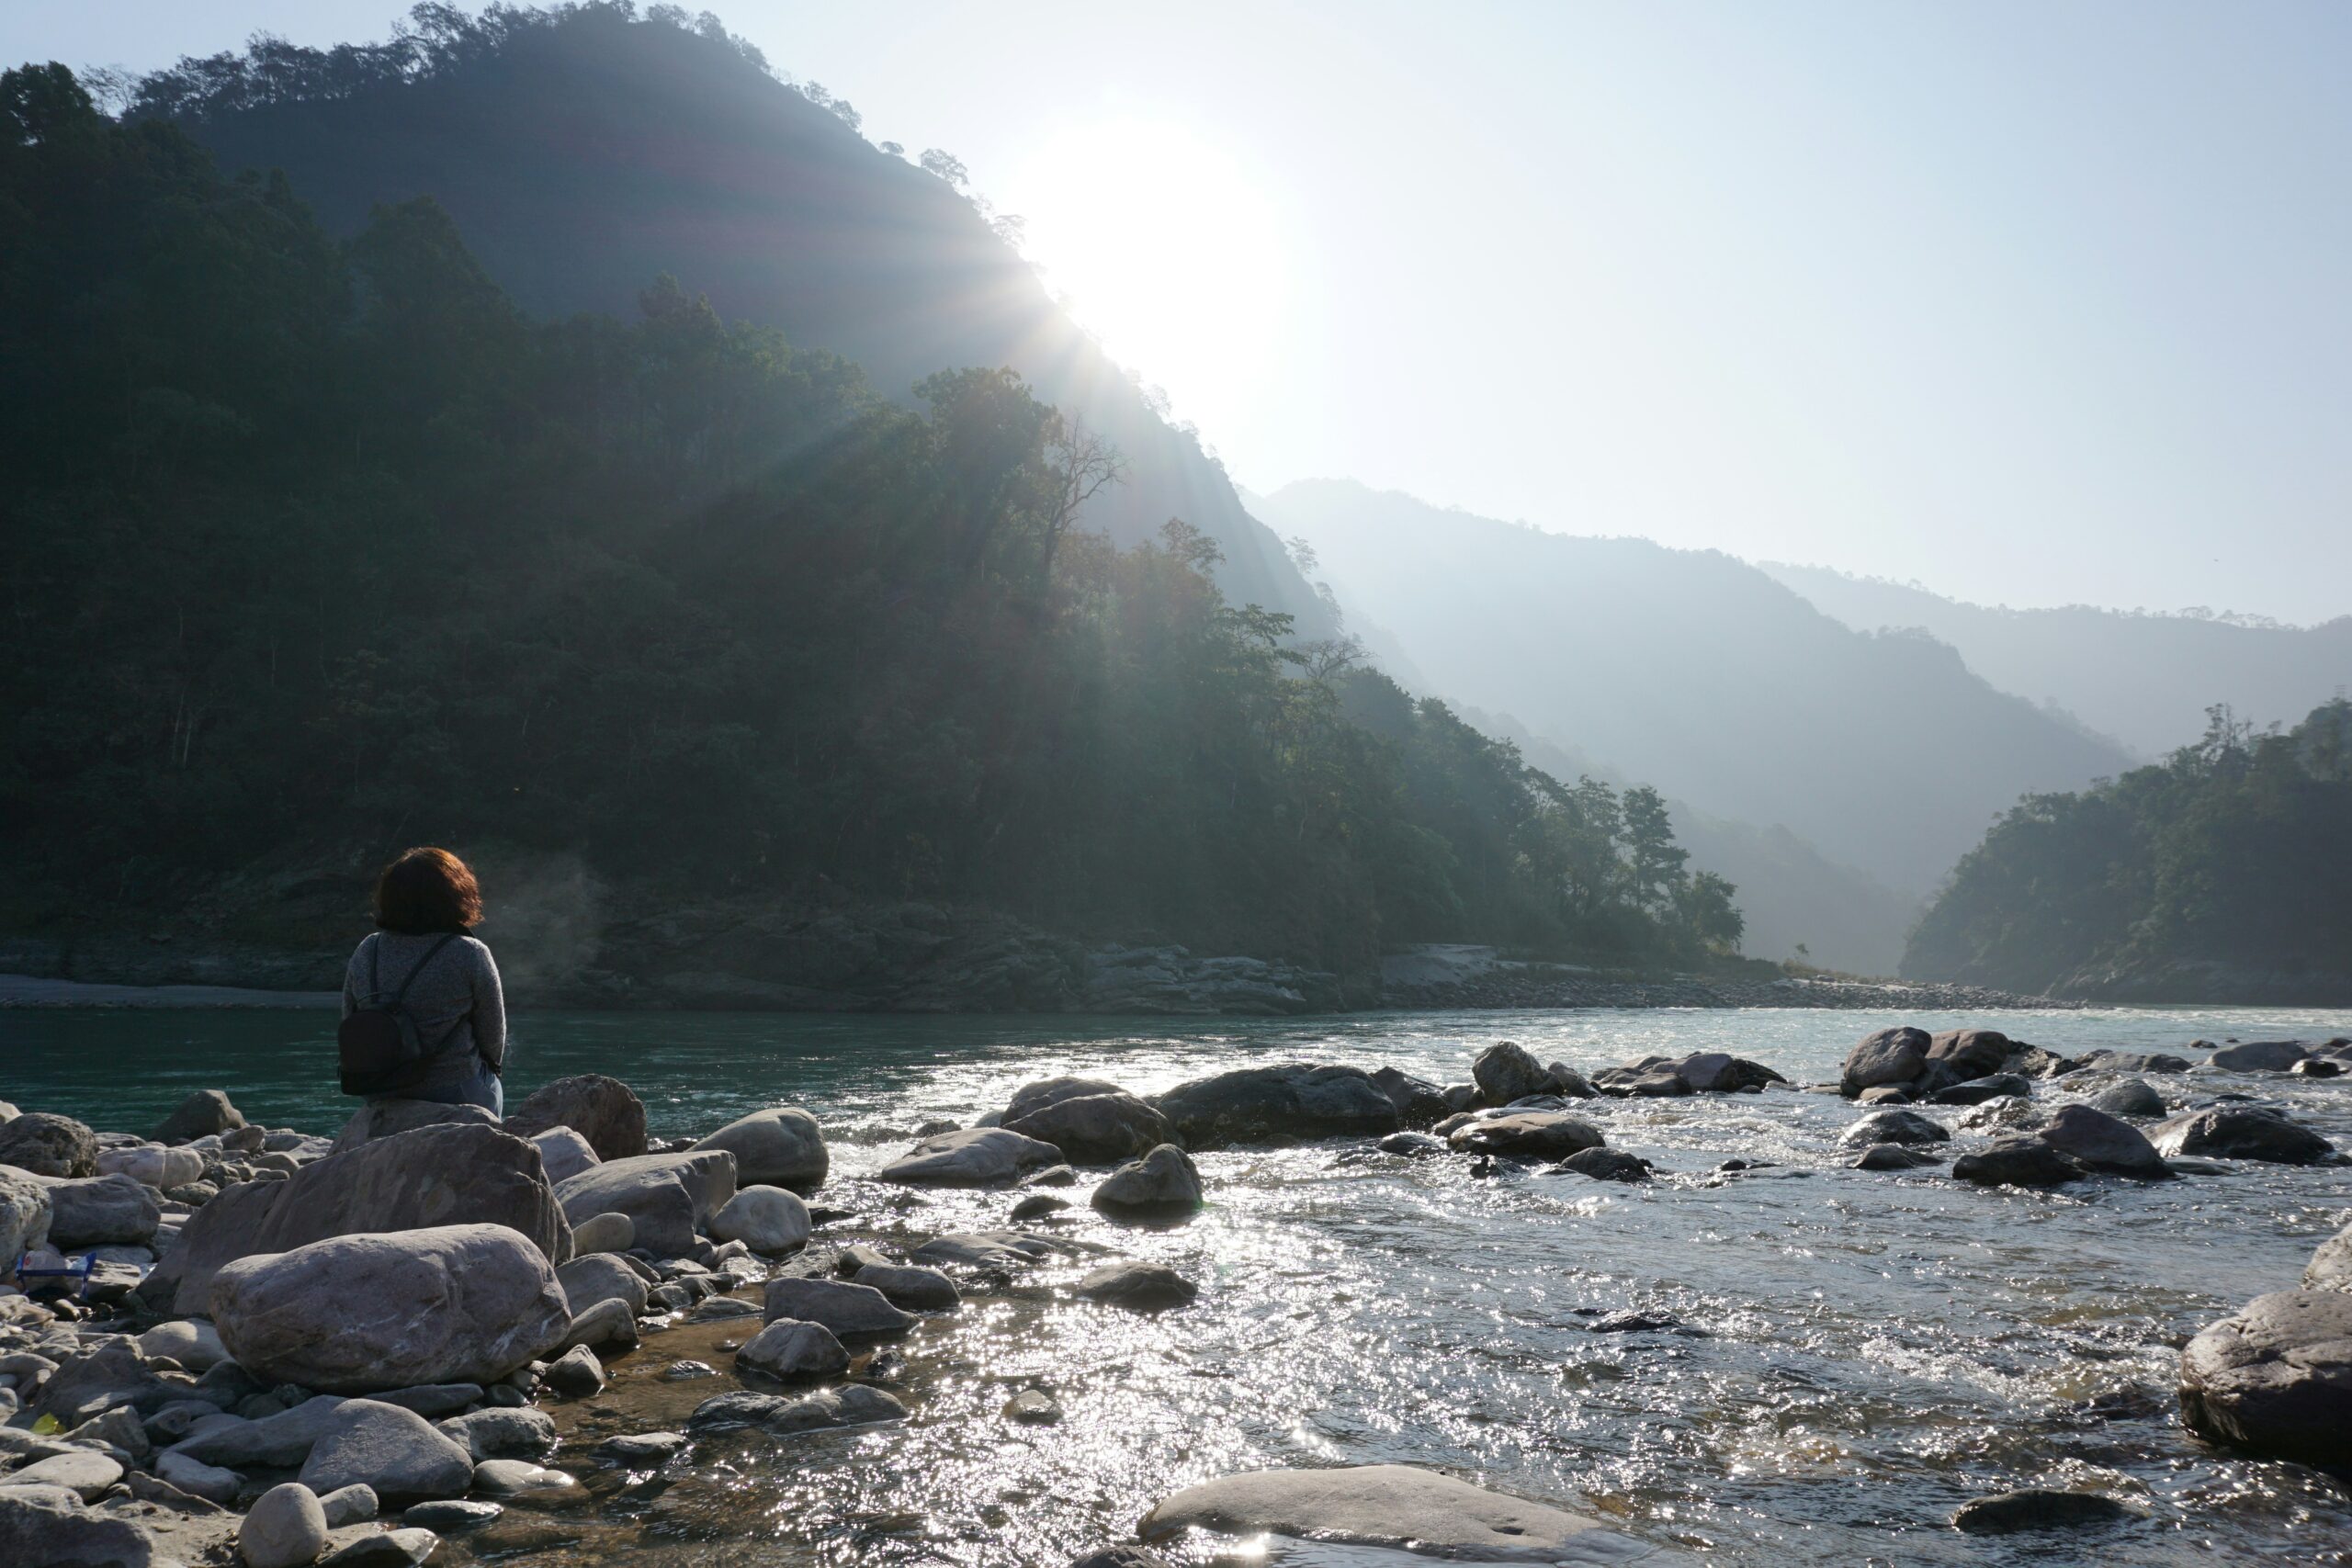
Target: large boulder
x: 1898, y: 1057
x: 1418, y: 1102
x: 1164, y: 1182
x: 42, y: 1530
x: 1030, y: 1098
x: 2096, y: 1141
x: 1293, y: 1100
x: 2276, y: 1378
x: 48, y: 1146
x: 666, y: 1197
x: 1400, y: 1507
x: 203, y: 1114
x: 358, y: 1314
x: 848, y: 1311
x: 1955, y: 1055
x: 1894, y: 1127
x: 976, y: 1157
x: 2016, y: 1162
x: 1095, y: 1128
x: 783, y: 1148
x: 2241, y: 1131
x: 766, y: 1219
x: 563, y: 1154
x: 396, y: 1453
x: 2133, y: 1096
x: 24, y: 1213
x: 453, y: 1175
x: 390, y: 1118
x: 1530, y: 1134
x: 101, y: 1210
x: 1508, y: 1071
x: 604, y: 1111
x: 1719, y: 1072
x: 2261, y: 1055
x: 791, y: 1347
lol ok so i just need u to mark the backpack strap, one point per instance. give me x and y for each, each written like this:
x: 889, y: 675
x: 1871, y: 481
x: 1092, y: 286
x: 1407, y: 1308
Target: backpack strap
x: 430, y: 955
x: 375, y: 981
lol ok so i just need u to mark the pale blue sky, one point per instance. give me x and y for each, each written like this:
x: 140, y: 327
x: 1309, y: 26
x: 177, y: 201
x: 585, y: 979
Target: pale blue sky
x: 2033, y: 303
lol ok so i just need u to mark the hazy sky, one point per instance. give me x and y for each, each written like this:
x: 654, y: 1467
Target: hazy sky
x: 2031, y: 302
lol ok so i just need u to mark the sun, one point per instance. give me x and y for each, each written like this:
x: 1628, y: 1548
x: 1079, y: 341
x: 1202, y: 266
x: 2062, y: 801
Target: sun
x: 1163, y: 246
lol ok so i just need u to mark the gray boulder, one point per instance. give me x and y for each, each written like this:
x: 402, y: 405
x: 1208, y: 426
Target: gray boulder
x: 452, y: 1303
x: 1976, y: 1091
x: 766, y: 1219
x: 2130, y: 1097
x: 1093, y: 1128
x: 1607, y: 1165
x: 1418, y: 1102
x: 563, y: 1154
x: 435, y: 1176
x: 1397, y: 1506
x: 2037, y: 1508
x: 602, y: 1109
x: 1030, y: 1098
x: 395, y: 1452
x: 275, y: 1442
x: 2241, y: 1131
x: 390, y: 1118
x: 2260, y: 1056
x: 51, y: 1532
x: 24, y: 1213
x: 101, y: 1210
x: 1955, y: 1055
x: 783, y: 1148
x: 1533, y: 1135
x: 2016, y: 1162
x: 603, y: 1232
x: 2330, y: 1267
x: 1893, y: 1156
x: 2096, y: 1141
x: 1164, y: 1182
x: 204, y: 1114
x: 976, y: 1157
x: 196, y: 1478
x: 349, y: 1505
x: 850, y: 1311
x: 791, y: 1347
x: 1719, y: 1072
x: 48, y: 1146
x: 600, y: 1277
x: 518, y: 1433
x: 86, y: 1473
x: 666, y: 1197
x: 1898, y: 1057
x: 853, y: 1405
x: 912, y: 1287
x: 110, y: 1372
x: 153, y: 1165
x: 2276, y: 1378
x: 2134, y: 1062
x: 1884, y: 1094
x: 286, y: 1528
x: 1894, y: 1127
x: 576, y: 1374
x: 1289, y: 1102
x: 1138, y: 1287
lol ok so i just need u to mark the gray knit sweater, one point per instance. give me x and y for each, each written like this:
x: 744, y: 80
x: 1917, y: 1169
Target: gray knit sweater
x: 457, y: 996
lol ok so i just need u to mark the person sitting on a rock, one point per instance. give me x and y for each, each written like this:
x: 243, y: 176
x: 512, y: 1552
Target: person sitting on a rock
x: 422, y: 979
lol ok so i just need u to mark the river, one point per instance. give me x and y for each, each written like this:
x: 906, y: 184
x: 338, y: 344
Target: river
x: 1857, y: 1353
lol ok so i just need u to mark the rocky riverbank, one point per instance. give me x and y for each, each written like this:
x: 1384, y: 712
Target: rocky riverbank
x: 434, y: 1332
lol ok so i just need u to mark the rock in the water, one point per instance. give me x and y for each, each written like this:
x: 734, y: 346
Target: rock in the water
x: 1607, y: 1165
x: 1033, y: 1407
x: 1138, y: 1287
x: 1093, y: 1128
x: 666, y: 1195
x: 2135, y: 1062
x: 2016, y: 1162
x: 766, y: 1219
x: 1121, y: 1557
x: 1035, y: 1205
x: 563, y: 1153
x: 1956, y: 1055
x: 600, y: 1277
x: 1164, y: 1182
x: 1884, y: 1094
x: 101, y: 1210
x: 1397, y: 1505
x: 286, y: 1528
x: 2276, y: 1378
x: 1894, y: 1127
x: 1414, y: 1145
x: 608, y: 1322
x: 792, y: 1347
x: 2130, y: 1097
x: 1898, y: 1057
x: 1976, y: 1091
x: 1030, y: 1098
x: 203, y: 1114
x: 396, y: 1453
x: 783, y: 1148
x: 2260, y: 1056
x: 34, y: 1529
x: 1533, y: 1135
x: 855, y: 1405
x: 2330, y: 1267
x: 2317, y: 1067
x: 435, y: 1176
x: 644, y: 1447
x: 1418, y: 1102
x: 2241, y: 1131
x: 2096, y: 1141
x: 1508, y: 1071
x: 24, y: 1214
x: 521, y: 1433
x: 48, y: 1146
x: 602, y: 1109
x: 1719, y: 1072
x: 1293, y: 1100
x: 576, y: 1373
x: 2035, y: 1509
x: 1892, y: 1157
x: 912, y: 1287
x: 978, y: 1157
x: 603, y: 1232
x: 453, y: 1303
x: 849, y: 1311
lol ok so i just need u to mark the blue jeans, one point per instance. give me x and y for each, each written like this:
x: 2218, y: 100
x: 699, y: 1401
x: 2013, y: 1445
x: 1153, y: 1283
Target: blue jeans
x: 478, y: 1087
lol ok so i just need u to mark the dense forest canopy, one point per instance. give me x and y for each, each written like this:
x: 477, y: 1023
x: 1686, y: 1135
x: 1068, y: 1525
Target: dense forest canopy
x: 323, y: 547
x: 2221, y: 870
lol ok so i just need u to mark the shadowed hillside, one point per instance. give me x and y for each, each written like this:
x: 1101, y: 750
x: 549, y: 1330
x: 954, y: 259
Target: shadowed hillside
x: 1700, y: 673
x: 584, y: 151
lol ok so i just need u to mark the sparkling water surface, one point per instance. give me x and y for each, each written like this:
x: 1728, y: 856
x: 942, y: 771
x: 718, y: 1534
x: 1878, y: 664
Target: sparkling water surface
x: 1857, y: 1355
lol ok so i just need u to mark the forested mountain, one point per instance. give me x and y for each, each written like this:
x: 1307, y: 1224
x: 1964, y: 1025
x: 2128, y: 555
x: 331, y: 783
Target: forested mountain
x: 321, y: 547
x: 2218, y: 875
x: 1701, y: 674
x: 584, y: 149
x: 2143, y: 679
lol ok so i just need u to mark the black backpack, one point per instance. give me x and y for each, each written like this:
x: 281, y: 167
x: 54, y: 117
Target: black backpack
x: 380, y: 1050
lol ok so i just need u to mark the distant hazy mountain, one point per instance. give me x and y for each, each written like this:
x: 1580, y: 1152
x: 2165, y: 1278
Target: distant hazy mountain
x: 2144, y: 679
x: 582, y: 161
x: 1700, y: 674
